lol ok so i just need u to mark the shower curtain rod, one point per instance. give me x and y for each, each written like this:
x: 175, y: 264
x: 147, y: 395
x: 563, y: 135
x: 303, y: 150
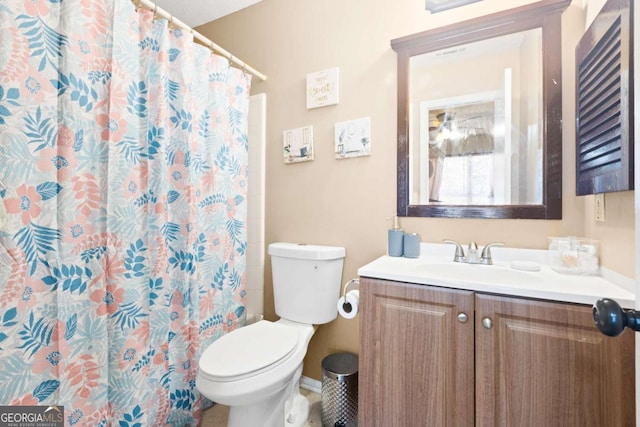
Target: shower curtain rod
x: 173, y: 21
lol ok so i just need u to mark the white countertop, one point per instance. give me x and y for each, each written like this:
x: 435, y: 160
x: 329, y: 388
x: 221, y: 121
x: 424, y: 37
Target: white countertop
x: 435, y: 266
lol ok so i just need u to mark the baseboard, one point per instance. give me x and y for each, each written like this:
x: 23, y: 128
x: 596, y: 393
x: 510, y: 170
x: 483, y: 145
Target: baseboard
x: 310, y: 384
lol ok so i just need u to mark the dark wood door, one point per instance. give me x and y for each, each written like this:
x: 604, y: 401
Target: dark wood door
x: 416, y: 356
x: 546, y: 364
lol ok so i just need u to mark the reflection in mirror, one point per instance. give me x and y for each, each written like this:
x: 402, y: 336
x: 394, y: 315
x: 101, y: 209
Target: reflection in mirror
x: 480, y: 116
x: 478, y: 108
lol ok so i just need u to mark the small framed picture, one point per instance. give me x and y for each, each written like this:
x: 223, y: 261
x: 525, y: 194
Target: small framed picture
x: 434, y: 6
x: 322, y: 88
x: 353, y: 138
x: 297, y: 145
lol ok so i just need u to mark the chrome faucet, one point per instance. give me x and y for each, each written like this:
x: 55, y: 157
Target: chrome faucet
x: 472, y: 253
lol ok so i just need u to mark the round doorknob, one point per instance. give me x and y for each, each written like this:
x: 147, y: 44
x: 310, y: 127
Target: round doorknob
x: 487, y: 323
x: 611, y: 319
x: 462, y: 318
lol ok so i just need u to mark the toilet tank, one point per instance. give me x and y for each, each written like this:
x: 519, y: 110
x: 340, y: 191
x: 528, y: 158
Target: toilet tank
x: 306, y: 281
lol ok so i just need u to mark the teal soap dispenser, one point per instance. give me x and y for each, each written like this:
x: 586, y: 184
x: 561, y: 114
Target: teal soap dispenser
x: 395, y: 239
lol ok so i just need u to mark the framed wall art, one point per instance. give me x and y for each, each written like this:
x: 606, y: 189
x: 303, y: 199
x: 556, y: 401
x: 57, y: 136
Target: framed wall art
x: 323, y: 88
x: 297, y: 145
x: 353, y: 138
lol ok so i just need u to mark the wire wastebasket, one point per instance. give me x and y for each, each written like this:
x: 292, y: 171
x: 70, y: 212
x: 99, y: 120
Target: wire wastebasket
x: 340, y: 390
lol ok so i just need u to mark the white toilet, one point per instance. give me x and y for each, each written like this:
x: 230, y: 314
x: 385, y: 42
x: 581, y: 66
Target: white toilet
x: 256, y: 369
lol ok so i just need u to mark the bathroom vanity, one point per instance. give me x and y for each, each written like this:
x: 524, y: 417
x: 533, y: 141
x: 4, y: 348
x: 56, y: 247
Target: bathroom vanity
x: 451, y: 344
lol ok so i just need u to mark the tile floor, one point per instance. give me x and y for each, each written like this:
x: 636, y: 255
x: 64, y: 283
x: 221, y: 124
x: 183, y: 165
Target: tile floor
x: 216, y: 416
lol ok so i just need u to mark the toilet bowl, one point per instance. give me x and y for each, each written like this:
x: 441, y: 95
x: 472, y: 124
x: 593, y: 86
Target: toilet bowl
x: 256, y: 369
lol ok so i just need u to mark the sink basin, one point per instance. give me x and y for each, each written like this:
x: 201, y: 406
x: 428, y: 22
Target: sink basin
x: 478, y: 273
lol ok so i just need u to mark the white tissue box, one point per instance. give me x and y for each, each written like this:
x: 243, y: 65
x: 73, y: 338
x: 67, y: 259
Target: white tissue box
x: 574, y: 255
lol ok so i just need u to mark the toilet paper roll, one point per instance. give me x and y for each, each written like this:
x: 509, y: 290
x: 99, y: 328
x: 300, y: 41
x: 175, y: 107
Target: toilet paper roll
x: 348, y: 305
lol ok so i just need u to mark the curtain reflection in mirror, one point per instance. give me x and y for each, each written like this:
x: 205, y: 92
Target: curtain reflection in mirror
x: 461, y: 145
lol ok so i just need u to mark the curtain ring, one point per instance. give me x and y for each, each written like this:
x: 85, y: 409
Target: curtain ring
x: 170, y: 20
x: 155, y: 9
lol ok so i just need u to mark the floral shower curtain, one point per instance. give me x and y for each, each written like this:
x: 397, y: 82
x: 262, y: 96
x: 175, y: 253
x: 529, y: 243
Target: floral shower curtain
x: 123, y: 170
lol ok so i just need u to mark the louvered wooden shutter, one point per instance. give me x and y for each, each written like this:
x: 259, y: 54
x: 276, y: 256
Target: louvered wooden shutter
x: 604, y: 104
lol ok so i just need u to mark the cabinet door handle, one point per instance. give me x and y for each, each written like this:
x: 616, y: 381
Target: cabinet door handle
x: 487, y: 323
x: 462, y: 318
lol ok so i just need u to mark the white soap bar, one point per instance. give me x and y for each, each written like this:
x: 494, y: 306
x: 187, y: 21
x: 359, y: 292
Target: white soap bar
x: 525, y: 265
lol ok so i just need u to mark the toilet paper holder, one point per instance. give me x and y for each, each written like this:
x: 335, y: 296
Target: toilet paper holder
x: 348, y: 303
x: 355, y: 282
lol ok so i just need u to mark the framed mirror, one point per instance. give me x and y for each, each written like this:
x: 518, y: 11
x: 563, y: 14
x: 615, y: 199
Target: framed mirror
x: 480, y: 116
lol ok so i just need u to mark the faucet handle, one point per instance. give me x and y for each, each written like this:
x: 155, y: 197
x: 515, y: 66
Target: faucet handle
x: 485, y: 257
x: 459, y: 255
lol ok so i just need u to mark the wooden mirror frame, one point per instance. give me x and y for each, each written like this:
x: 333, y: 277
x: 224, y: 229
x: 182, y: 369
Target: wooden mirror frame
x: 545, y: 14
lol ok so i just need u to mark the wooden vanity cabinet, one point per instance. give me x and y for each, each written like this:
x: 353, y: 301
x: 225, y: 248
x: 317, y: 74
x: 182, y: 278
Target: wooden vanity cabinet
x: 416, y: 357
x: 514, y: 362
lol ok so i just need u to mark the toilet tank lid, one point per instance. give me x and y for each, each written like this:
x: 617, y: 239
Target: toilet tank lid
x: 304, y: 251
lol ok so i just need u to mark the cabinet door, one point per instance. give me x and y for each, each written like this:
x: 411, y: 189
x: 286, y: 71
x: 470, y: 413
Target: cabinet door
x: 416, y: 357
x: 546, y: 364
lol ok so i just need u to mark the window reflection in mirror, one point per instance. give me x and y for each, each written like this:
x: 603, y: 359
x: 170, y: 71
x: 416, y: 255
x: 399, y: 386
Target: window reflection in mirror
x: 476, y: 114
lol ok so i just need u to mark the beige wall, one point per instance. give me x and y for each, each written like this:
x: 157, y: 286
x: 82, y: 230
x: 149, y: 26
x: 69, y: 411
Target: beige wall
x: 347, y: 202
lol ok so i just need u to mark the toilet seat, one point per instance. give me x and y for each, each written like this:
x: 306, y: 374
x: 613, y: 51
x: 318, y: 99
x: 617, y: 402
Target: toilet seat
x: 248, y: 351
